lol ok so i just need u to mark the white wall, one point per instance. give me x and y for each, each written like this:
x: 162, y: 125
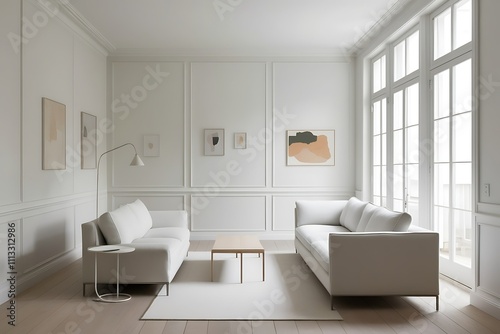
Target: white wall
x: 10, y: 104
x: 486, y: 293
x: 46, y: 207
x: 248, y: 189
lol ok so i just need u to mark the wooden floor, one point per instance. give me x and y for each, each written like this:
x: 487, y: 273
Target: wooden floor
x: 56, y: 305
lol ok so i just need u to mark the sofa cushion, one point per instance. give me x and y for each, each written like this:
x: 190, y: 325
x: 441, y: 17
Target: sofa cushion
x: 365, y: 217
x: 318, y: 212
x: 351, y: 214
x: 123, y: 225
x: 310, y: 234
x: 178, y: 233
x: 383, y: 219
x: 321, y: 253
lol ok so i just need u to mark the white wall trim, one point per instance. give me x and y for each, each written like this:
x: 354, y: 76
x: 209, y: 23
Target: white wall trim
x: 486, y: 303
x: 19, y: 211
x: 77, y: 18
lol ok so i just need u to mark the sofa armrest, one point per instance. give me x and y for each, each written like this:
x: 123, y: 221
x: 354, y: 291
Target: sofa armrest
x: 384, y: 263
x: 171, y: 218
x: 91, y: 235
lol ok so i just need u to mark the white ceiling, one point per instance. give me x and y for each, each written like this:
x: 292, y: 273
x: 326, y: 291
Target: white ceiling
x: 292, y: 27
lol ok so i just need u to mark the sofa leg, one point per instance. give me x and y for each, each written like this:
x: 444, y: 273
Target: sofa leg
x: 331, y: 303
x: 168, y: 288
x: 83, y: 289
x: 437, y: 303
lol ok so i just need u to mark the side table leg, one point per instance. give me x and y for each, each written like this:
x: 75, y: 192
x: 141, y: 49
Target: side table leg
x: 263, y: 267
x: 95, y: 277
x: 117, y: 276
x: 212, y: 266
x: 241, y: 267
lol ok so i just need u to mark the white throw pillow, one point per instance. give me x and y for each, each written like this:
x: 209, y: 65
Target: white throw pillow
x: 365, y: 217
x: 386, y: 220
x: 352, y: 213
x: 142, y: 213
x: 125, y: 224
x: 108, y: 229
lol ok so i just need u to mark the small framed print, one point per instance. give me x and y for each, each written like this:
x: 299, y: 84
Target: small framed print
x: 240, y: 140
x: 88, y: 141
x: 53, y: 135
x: 214, y: 141
x: 151, y: 145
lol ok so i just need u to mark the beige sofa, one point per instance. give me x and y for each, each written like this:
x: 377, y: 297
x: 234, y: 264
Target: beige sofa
x: 160, y: 239
x: 358, y: 249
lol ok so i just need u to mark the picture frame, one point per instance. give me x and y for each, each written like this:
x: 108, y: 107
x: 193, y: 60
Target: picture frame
x: 214, y: 142
x: 53, y: 135
x: 310, y: 147
x: 240, y: 140
x: 88, y: 141
x: 151, y: 145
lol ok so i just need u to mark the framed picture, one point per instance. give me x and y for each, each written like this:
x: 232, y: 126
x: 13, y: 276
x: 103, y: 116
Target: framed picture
x: 310, y: 148
x: 240, y: 140
x: 53, y: 135
x: 88, y: 152
x: 152, y: 145
x: 214, y: 141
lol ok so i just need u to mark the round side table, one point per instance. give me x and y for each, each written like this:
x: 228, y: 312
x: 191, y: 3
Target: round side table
x: 111, y: 249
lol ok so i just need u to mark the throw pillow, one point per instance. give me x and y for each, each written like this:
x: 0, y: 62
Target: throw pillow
x: 125, y: 224
x: 351, y: 214
x: 365, y: 217
x: 142, y: 214
x: 387, y: 220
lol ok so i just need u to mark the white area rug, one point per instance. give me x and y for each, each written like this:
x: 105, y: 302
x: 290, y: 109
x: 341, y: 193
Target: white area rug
x: 290, y: 291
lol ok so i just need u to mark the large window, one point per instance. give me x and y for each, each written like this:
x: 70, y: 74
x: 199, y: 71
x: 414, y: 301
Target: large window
x: 379, y: 130
x: 395, y: 126
x: 379, y: 141
x: 406, y: 56
x: 406, y: 154
x: 452, y: 28
x: 424, y: 88
x: 453, y: 136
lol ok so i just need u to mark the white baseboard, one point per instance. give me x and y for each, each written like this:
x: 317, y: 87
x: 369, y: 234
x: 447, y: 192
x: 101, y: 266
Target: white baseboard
x: 486, y: 303
x: 26, y: 281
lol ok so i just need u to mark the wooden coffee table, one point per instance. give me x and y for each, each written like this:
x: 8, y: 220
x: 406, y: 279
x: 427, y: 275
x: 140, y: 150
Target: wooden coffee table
x: 238, y: 244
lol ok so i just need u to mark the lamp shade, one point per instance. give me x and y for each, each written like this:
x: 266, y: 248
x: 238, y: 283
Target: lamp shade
x: 137, y: 161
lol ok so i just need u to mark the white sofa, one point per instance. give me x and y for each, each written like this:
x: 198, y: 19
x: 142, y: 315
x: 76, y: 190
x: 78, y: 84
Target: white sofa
x: 160, y: 239
x: 356, y: 248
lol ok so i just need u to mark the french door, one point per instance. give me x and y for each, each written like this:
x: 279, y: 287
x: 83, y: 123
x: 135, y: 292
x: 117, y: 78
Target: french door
x: 406, y: 151
x: 453, y: 167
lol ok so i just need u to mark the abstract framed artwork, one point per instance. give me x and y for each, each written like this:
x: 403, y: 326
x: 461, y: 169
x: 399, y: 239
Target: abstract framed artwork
x: 151, y: 145
x: 88, y: 152
x: 53, y: 135
x: 310, y: 148
x: 214, y: 141
x: 240, y: 140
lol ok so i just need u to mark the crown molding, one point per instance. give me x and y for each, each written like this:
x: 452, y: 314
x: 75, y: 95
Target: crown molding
x: 394, y: 10
x: 77, y: 17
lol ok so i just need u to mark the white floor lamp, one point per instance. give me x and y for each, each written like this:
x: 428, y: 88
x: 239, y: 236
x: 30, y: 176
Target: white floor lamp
x: 136, y: 161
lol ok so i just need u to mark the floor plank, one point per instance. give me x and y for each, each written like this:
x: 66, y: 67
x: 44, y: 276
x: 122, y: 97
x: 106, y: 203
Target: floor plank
x: 263, y: 327
x: 175, y: 327
x: 196, y: 327
x: 286, y: 327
